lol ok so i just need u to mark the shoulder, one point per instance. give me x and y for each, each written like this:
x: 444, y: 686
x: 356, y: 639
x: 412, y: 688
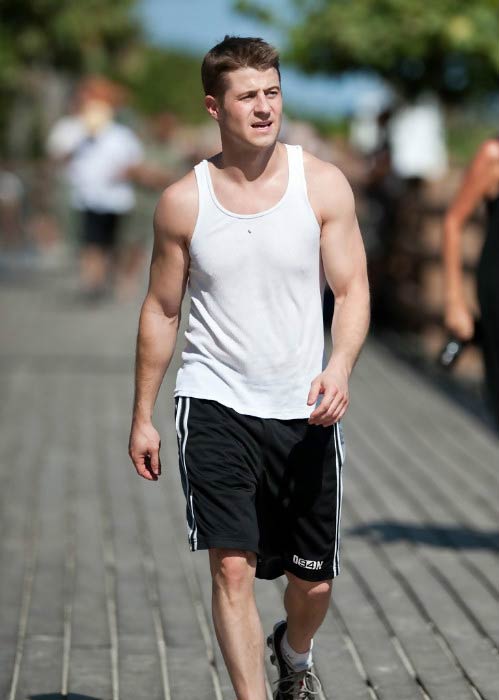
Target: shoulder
x: 65, y: 135
x: 317, y: 171
x: 66, y: 123
x: 328, y: 188
x: 483, y: 171
x: 489, y: 151
x: 176, y: 212
x: 486, y: 159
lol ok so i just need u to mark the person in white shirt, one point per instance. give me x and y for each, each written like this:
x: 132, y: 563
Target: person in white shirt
x: 101, y: 159
x: 254, y: 232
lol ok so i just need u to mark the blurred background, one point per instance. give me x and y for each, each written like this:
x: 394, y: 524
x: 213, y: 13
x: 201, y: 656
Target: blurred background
x: 398, y: 94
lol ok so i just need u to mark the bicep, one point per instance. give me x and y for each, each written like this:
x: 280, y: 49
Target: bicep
x: 169, y: 263
x: 168, y: 275
x: 174, y: 221
x: 342, y: 248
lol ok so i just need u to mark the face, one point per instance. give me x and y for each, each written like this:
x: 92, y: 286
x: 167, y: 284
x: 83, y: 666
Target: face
x: 250, y: 111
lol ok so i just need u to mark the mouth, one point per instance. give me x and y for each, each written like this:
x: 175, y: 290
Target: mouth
x: 262, y: 126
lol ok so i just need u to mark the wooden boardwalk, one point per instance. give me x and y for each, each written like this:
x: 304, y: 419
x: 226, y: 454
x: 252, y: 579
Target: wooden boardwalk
x: 100, y: 598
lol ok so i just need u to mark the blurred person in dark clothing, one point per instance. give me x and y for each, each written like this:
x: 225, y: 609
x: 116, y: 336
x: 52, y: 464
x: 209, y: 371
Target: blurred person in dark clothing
x: 384, y: 190
x: 101, y: 159
x: 481, y: 183
x: 11, y: 200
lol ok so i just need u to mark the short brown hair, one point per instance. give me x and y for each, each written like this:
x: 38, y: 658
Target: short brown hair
x: 96, y: 87
x: 232, y: 53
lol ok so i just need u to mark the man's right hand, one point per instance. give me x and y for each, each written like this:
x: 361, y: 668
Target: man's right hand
x: 143, y: 448
x: 459, y: 320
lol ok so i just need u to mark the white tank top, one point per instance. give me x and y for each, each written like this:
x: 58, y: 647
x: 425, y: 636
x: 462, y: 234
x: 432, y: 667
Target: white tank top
x: 255, y: 337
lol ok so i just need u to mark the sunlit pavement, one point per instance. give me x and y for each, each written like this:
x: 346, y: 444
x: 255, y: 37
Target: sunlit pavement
x: 99, y: 595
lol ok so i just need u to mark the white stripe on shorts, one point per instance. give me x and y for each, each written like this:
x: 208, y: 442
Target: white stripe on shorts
x: 182, y: 434
x: 339, y: 456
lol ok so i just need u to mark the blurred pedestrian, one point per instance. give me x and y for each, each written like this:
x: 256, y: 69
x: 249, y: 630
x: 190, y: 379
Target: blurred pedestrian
x: 100, y: 157
x: 417, y: 141
x: 480, y: 184
x: 164, y: 162
x: 11, y: 201
x: 254, y: 231
x: 383, y: 194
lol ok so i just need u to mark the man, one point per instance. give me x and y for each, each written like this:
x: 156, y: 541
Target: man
x: 252, y: 231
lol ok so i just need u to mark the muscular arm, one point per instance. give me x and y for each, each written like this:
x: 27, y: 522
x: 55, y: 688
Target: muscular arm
x: 480, y: 180
x: 174, y: 221
x: 344, y: 261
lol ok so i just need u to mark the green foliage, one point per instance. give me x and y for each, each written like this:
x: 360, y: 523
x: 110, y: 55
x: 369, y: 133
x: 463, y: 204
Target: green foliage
x: 246, y: 7
x: 465, y: 133
x: 87, y: 36
x: 335, y: 128
x: 90, y: 37
x: 166, y: 80
x: 449, y: 46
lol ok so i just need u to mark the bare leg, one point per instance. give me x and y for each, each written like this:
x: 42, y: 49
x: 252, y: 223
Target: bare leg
x: 237, y: 624
x: 94, y: 267
x: 306, y: 604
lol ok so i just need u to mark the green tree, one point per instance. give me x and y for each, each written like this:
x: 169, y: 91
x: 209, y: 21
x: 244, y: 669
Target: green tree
x: 87, y: 36
x: 449, y: 46
x: 39, y: 37
x: 166, y: 80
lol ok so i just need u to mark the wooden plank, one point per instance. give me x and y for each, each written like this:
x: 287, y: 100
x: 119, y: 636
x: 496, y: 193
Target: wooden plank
x: 18, y: 514
x: 196, y: 566
x: 428, y: 493
x: 177, y: 603
x: 463, y: 486
x: 90, y: 655
x: 139, y: 665
x: 183, y: 633
x: 42, y: 660
x: 434, y: 599
x: 447, y: 417
x: 430, y: 665
x: 384, y: 667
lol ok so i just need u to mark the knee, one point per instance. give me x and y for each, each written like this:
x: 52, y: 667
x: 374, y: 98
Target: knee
x: 232, y: 570
x: 312, y: 590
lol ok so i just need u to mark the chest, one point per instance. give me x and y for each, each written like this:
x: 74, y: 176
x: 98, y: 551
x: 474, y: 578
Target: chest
x: 250, y: 198
x: 275, y: 245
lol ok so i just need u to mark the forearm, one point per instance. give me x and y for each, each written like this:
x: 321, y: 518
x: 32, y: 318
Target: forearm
x: 155, y: 347
x: 453, y: 278
x: 350, y: 326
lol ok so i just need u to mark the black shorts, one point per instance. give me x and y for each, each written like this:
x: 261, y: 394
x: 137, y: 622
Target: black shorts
x: 264, y: 485
x: 100, y: 228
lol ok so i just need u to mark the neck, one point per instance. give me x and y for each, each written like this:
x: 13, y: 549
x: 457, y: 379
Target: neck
x: 247, y: 163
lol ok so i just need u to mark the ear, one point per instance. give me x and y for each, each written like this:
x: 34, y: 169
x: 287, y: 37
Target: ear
x: 212, y: 107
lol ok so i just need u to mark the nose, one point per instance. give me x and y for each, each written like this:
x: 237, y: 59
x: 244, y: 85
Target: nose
x: 262, y: 105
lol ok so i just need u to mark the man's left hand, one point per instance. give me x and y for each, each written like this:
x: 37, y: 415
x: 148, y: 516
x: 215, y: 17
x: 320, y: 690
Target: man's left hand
x: 333, y: 385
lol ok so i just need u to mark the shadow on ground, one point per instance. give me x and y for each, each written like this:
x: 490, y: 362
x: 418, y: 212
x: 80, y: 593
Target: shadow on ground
x: 468, y: 394
x: 456, y: 536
